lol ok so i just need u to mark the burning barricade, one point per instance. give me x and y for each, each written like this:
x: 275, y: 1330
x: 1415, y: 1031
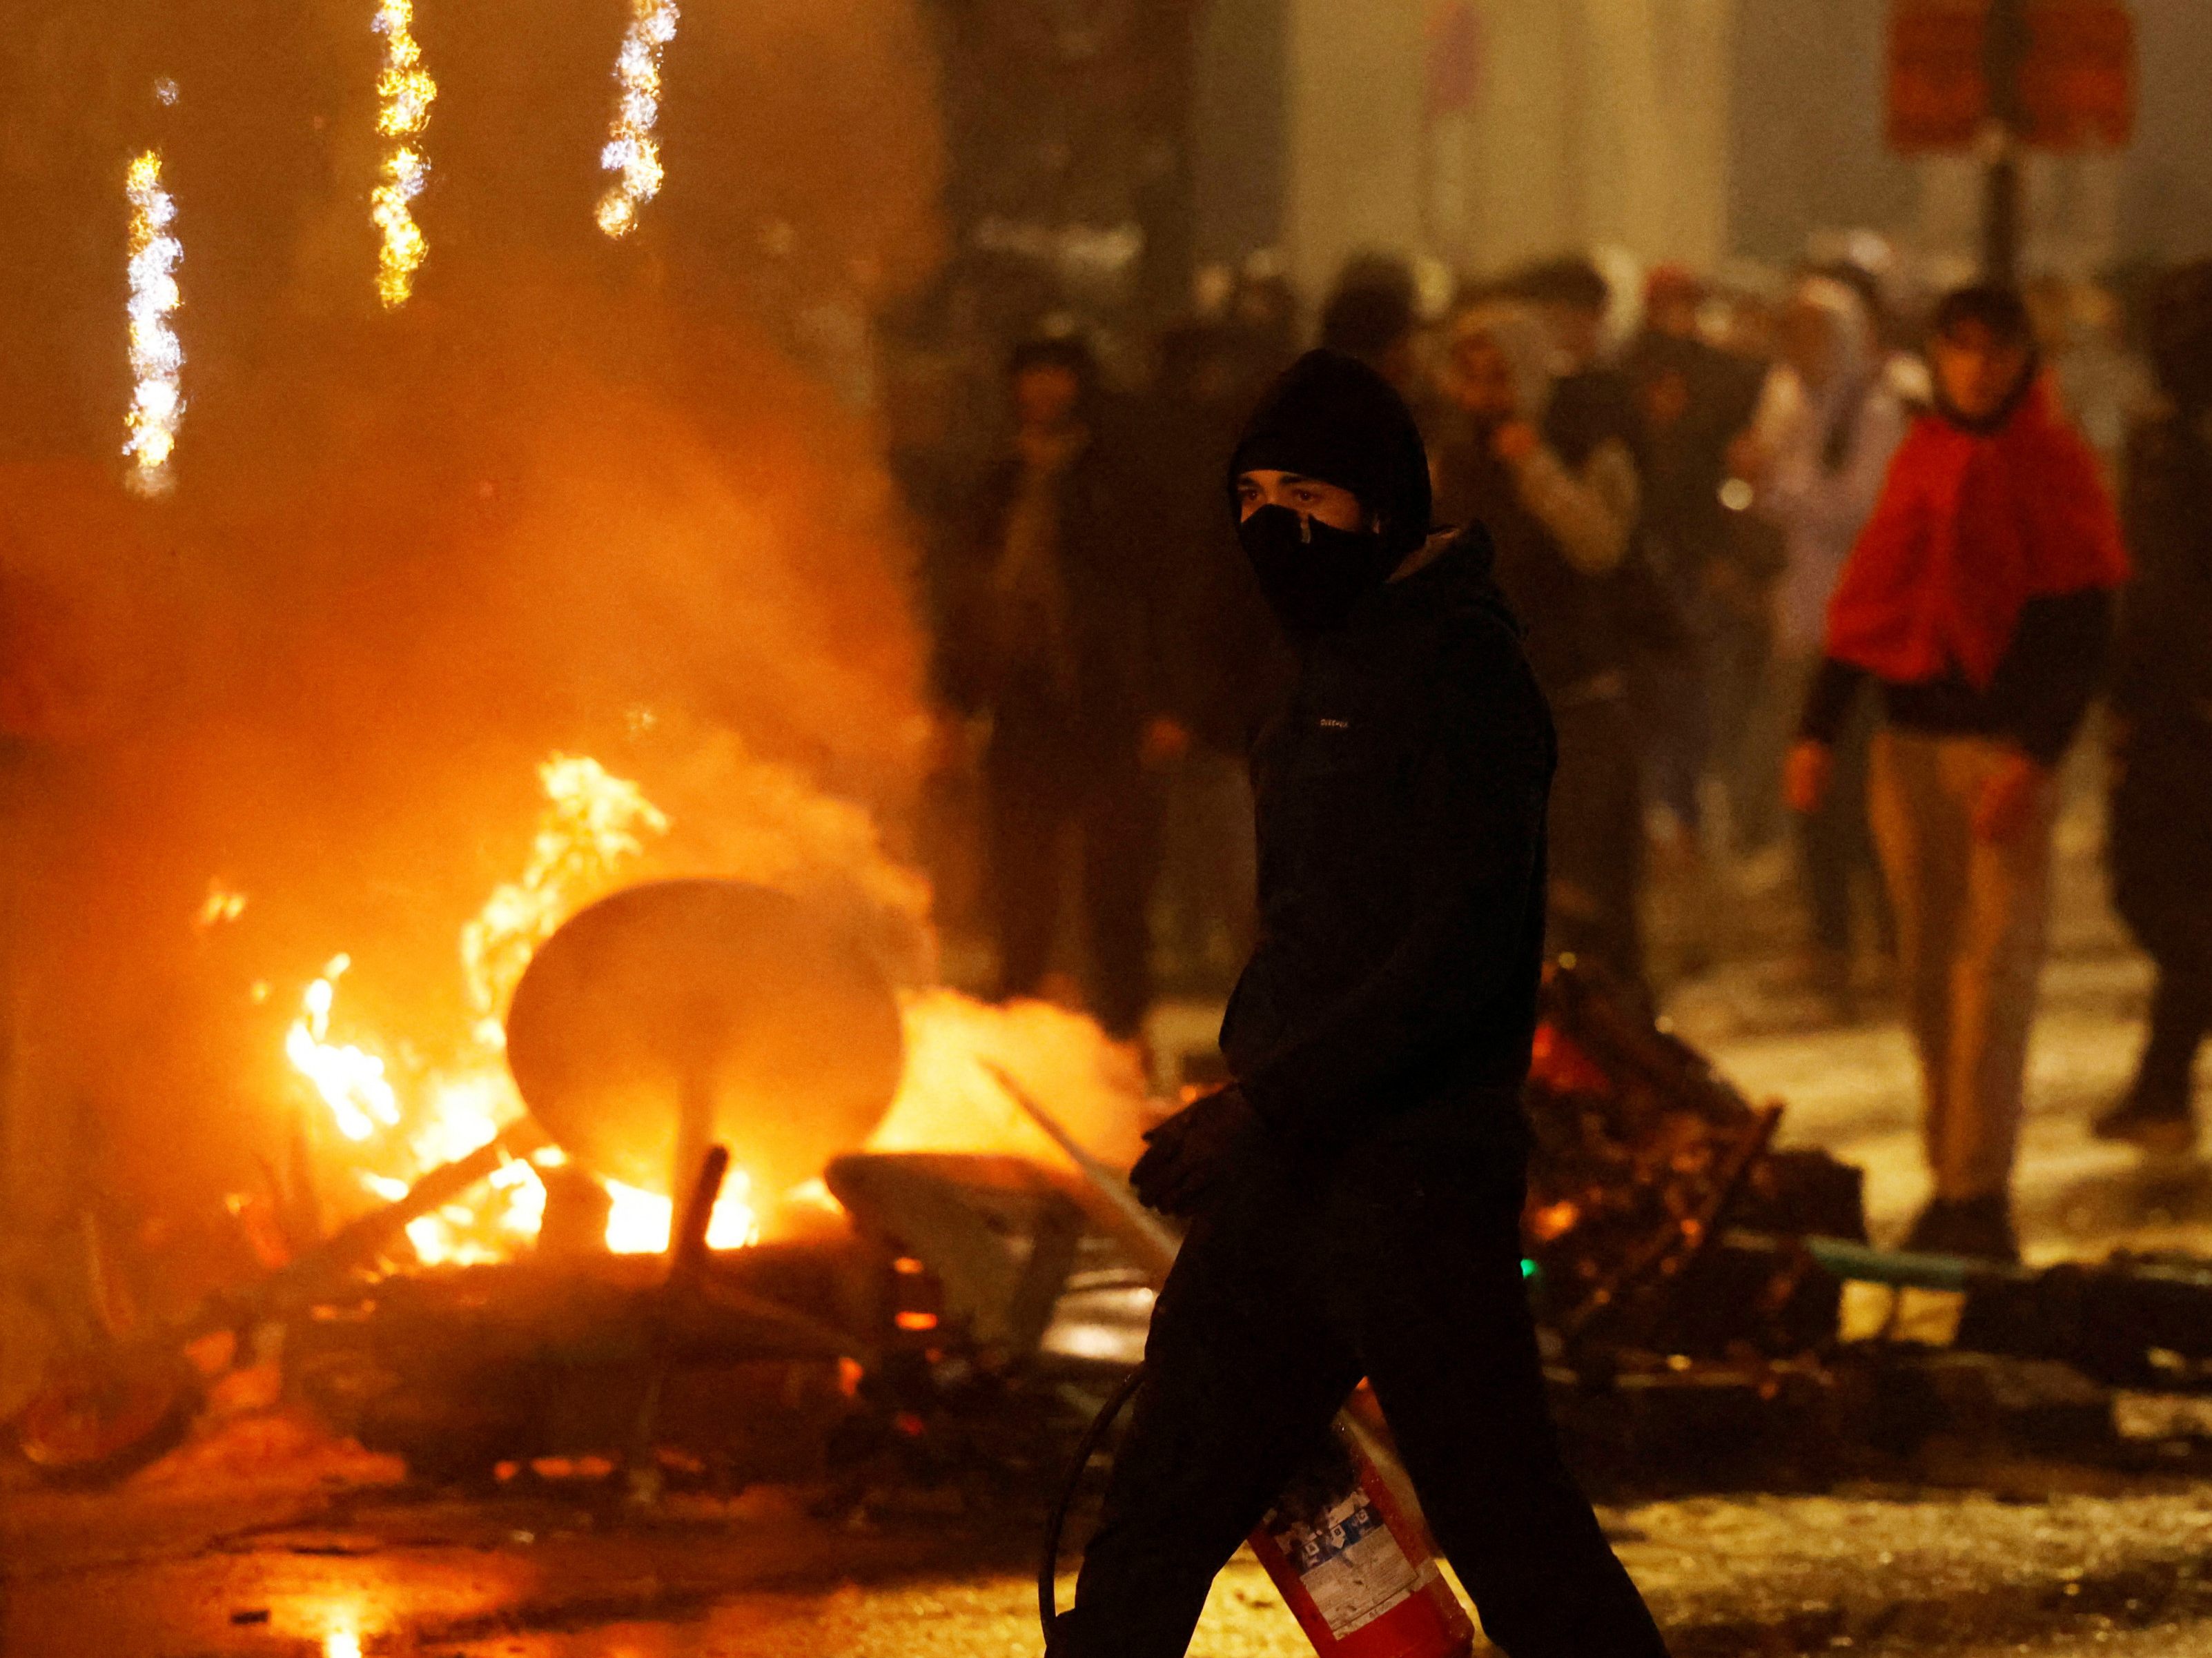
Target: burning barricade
x: 824, y: 1307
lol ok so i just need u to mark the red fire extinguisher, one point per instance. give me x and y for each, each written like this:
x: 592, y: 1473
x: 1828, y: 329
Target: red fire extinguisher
x: 1356, y: 1571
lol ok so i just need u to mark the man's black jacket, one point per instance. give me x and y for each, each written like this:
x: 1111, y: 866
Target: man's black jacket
x: 1401, y: 800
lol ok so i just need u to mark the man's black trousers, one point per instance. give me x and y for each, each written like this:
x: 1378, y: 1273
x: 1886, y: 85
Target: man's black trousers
x: 1398, y: 1259
x: 1115, y: 816
x: 1597, y: 842
x: 2160, y: 844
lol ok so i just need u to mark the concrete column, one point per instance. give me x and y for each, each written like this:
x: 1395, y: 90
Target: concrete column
x: 1603, y: 123
x: 1526, y: 184
x: 1597, y: 123
x: 1696, y: 79
x: 1240, y: 108
x: 1355, y: 91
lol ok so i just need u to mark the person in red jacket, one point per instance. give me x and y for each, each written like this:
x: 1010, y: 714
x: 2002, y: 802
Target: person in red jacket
x: 1980, y: 597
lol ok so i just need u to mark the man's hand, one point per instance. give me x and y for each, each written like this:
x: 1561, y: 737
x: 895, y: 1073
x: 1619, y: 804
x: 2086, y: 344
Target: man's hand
x: 1805, y: 775
x: 2009, y: 797
x: 1514, y: 441
x: 1187, y: 1156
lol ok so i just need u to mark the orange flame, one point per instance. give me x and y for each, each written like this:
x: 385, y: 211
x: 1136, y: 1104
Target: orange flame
x: 593, y: 828
x: 593, y: 824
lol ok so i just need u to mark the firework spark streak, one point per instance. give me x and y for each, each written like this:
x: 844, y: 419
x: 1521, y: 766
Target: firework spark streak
x: 404, y: 93
x: 157, y: 357
x: 631, y: 150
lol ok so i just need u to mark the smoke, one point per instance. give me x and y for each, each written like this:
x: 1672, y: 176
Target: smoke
x: 953, y: 1096
x: 573, y: 497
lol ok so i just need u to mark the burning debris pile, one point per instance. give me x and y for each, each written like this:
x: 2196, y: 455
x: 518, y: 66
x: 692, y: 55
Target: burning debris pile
x: 303, y: 935
x: 1647, y: 1164
x: 946, y: 1319
x: 1690, y: 1278
x: 649, y: 1031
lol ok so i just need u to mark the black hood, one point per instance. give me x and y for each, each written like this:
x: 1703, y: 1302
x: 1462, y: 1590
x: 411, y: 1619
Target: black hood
x: 1454, y: 586
x: 1331, y: 418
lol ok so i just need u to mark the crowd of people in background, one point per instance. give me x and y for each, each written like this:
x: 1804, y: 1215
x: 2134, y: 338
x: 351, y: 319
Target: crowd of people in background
x: 1715, y: 510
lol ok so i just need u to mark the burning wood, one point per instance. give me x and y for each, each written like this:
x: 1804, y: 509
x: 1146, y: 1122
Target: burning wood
x: 110, y: 1412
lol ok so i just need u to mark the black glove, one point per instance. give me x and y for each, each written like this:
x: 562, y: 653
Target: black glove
x: 1186, y: 1156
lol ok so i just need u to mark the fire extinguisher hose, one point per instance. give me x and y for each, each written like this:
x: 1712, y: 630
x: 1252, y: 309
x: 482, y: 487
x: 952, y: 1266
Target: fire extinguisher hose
x: 1056, y: 1521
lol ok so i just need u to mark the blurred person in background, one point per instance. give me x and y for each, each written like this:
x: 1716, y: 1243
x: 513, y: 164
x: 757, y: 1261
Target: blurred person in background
x: 1264, y: 310
x: 1561, y: 532
x: 1053, y: 643
x: 1691, y: 399
x: 1889, y: 312
x: 2104, y: 388
x: 1673, y: 296
x: 1815, y: 456
x: 1225, y: 666
x: 1747, y: 737
x: 1373, y: 313
x: 1591, y: 401
x: 1979, y: 599
x: 2160, y: 839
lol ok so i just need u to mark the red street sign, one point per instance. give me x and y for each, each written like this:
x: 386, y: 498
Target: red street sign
x: 2077, y: 75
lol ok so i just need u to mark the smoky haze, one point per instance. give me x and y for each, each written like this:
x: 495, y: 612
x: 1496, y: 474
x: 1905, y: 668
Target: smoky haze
x: 581, y: 497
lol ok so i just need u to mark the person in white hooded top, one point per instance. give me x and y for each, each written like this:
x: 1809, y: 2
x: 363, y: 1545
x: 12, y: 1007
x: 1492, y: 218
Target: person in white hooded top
x: 1816, y: 455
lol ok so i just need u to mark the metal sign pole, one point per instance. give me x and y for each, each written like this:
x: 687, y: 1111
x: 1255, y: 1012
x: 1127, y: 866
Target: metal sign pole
x: 2004, y: 51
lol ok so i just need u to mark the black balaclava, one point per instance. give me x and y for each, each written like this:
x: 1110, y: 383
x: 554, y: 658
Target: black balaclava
x: 1331, y: 418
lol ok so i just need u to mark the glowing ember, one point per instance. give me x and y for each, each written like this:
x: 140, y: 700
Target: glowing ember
x: 631, y: 150
x: 157, y: 356
x: 405, y: 94
x: 221, y: 904
x: 641, y: 1222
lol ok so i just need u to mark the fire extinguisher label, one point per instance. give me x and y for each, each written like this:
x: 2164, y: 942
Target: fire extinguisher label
x: 1346, y: 1560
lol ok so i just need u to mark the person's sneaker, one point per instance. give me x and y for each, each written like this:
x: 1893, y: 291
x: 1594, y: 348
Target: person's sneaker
x: 2163, y: 1128
x: 1979, y: 1228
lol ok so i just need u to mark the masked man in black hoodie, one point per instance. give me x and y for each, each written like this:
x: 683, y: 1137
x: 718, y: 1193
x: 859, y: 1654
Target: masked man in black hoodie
x: 1355, y: 1195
